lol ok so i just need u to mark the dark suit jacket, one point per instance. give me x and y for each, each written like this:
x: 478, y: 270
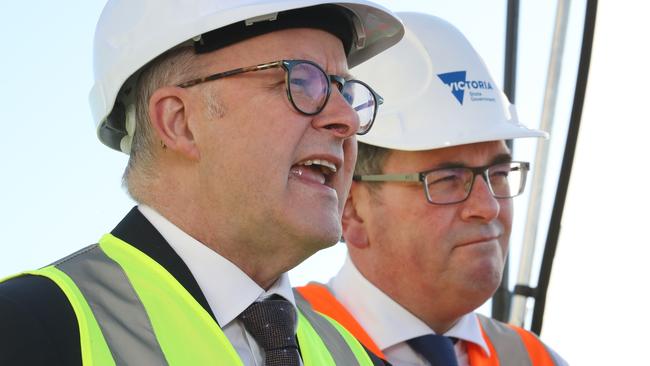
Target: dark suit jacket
x: 37, y: 323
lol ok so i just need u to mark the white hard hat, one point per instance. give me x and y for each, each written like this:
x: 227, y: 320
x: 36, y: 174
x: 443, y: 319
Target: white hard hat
x: 437, y: 90
x: 131, y: 33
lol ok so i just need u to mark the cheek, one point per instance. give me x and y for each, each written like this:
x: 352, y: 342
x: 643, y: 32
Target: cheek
x: 267, y: 128
x: 413, y: 222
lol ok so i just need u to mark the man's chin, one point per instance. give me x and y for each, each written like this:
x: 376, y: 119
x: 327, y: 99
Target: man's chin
x: 328, y: 238
x: 485, y: 279
x: 325, y: 237
x: 313, y: 227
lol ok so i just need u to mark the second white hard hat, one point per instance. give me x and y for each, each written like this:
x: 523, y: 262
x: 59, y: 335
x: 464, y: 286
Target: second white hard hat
x: 437, y: 90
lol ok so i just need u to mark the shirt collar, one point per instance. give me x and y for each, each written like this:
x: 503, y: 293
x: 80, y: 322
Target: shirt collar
x: 217, y: 277
x: 468, y: 329
x: 369, y: 306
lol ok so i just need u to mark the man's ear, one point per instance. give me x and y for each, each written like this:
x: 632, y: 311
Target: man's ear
x: 168, y: 111
x: 354, y: 230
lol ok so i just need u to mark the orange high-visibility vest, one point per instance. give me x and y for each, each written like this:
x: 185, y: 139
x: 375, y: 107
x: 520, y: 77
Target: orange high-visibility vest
x: 508, y: 344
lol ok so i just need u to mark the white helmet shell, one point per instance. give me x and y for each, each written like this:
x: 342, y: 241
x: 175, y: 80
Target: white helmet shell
x: 438, y: 92
x: 130, y: 33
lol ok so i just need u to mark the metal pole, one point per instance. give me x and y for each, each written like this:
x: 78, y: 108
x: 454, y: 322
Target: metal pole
x: 510, y: 64
x: 501, y: 298
x: 567, y: 165
x: 523, y: 289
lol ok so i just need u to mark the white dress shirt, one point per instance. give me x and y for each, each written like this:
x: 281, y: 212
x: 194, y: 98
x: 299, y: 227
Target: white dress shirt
x: 228, y: 290
x: 369, y: 306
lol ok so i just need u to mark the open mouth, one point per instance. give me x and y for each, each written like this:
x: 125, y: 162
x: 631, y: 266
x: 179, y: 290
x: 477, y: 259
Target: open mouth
x: 314, y: 170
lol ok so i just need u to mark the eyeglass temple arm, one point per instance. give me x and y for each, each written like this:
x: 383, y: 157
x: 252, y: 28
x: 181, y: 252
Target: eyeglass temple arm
x: 268, y: 65
x: 412, y: 177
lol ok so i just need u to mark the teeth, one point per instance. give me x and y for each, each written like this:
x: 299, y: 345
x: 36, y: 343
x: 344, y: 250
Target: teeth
x: 326, y: 166
x: 297, y: 171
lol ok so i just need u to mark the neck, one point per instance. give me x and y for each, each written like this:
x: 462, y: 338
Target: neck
x: 253, y: 262
x: 439, y: 309
x: 260, y: 264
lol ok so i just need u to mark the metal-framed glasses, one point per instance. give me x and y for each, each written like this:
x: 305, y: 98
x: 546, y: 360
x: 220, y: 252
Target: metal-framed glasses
x: 447, y: 186
x: 308, y: 88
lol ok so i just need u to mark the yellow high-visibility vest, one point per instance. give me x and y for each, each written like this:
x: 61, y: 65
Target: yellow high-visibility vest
x: 131, y: 310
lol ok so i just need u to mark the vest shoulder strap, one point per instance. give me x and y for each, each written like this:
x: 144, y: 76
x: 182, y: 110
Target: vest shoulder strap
x: 510, y: 345
x: 344, y: 348
x: 144, y: 314
x: 537, y: 350
x: 323, y: 301
x: 94, y: 349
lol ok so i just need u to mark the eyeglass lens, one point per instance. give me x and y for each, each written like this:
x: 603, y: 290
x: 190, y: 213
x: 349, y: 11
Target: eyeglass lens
x: 309, y: 89
x: 362, y: 101
x: 454, y: 184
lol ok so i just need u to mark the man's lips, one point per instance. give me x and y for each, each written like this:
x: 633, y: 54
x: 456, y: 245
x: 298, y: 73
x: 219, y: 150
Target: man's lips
x: 326, y: 166
x: 478, y: 241
x: 312, y: 174
x: 319, y: 170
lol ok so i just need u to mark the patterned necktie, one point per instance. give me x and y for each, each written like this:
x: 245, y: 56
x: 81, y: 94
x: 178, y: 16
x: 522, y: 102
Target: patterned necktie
x: 271, y: 322
x: 437, y: 349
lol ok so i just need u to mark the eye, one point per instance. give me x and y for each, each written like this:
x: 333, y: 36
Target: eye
x: 446, y: 180
x: 499, y: 174
x: 298, y: 83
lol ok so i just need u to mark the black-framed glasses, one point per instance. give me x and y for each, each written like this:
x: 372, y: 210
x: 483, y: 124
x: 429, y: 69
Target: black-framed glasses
x: 446, y: 186
x: 308, y: 88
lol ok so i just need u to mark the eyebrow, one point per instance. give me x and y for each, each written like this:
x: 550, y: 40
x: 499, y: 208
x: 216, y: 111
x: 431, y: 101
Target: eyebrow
x: 498, y: 159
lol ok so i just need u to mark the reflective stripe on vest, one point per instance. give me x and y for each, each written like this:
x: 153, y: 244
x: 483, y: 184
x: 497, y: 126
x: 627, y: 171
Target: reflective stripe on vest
x: 94, y: 350
x: 506, y: 343
x: 337, y: 340
x: 509, y: 345
x: 132, y: 311
x: 130, y: 338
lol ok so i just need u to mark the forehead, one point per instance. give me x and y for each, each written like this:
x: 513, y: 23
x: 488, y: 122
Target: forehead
x: 477, y: 154
x: 301, y: 43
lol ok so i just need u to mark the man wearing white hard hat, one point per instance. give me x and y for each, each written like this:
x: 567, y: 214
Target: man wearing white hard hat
x: 429, y: 215
x: 240, y: 119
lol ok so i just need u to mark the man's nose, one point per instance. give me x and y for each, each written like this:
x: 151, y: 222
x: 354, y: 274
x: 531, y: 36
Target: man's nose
x: 480, y: 204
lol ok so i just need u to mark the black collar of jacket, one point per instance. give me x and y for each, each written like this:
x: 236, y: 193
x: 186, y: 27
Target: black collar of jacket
x: 136, y: 230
